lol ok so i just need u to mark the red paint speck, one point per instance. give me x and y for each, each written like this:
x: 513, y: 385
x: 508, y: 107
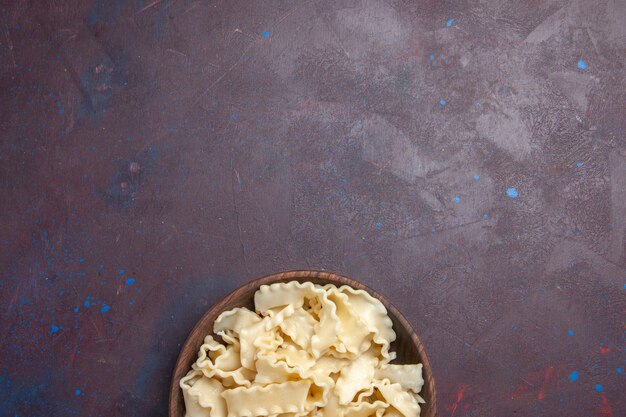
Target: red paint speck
x: 459, y: 398
x: 605, y: 409
x: 416, y: 48
x: 604, y: 350
x: 519, y: 391
x: 540, y: 379
x: 546, y: 379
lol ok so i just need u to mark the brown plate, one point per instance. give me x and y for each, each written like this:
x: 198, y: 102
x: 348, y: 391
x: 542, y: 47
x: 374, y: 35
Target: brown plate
x: 407, y: 344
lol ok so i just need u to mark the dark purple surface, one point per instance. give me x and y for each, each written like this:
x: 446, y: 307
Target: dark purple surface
x: 156, y: 155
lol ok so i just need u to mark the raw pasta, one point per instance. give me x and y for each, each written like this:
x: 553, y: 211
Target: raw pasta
x: 307, y: 350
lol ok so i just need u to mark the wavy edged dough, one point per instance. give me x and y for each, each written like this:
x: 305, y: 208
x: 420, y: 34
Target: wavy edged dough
x: 401, y: 400
x: 409, y: 376
x: 286, y: 397
x: 374, y: 315
x: 306, y: 351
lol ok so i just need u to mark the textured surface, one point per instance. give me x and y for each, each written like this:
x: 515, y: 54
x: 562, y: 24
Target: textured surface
x: 466, y: 159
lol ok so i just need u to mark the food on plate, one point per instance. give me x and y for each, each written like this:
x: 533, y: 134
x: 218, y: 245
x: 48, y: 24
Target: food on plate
x: 306, y: 350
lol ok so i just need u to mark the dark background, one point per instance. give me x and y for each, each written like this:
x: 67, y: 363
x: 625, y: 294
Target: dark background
x: 155, y: 155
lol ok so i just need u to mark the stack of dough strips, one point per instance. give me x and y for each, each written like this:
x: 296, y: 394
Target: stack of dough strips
x: 308, y: 350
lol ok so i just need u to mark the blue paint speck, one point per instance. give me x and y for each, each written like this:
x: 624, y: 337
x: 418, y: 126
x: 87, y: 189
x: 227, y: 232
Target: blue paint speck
x: 379, y: 225
x: 190, y: 231
x: 582, y: 64
x: 598, y: 387
x: 442, y: 103
x: 431, y: 57
x: 512, y: 192
x: 105, y: 309
x: 61, y: 111
x: 579, y: 164
x: 476, y: 177
x: 450, y: 22
x: 485, y: 216
x: 76, y: 310
x: 121, y: 272
x: 266, y: 34
x: 81, y: 260
x: 77, y: 392
x: 619, y: 370
x: 456, y: 199
x: 53, y: 328
x: 130, y: 281
x: 93, y: 149
x: 573, y: 376
x: 86, y: 303
x: 570, y: 333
